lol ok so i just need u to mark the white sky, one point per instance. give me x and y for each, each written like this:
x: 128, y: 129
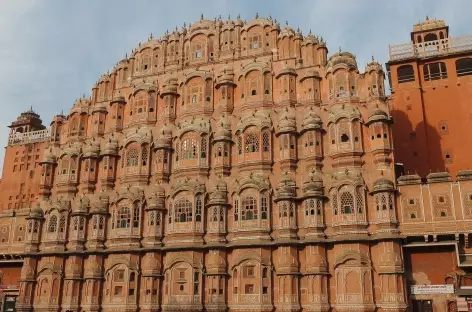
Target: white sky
x: 53, y: 51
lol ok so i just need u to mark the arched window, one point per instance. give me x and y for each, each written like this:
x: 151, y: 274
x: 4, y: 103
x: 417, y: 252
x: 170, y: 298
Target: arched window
x: 123, y: 218
x: 265, y: 141
x: 198, y: 209
x: 144, y: 156
x: 203, y: 151
x: 347, y: 202
x: 183, y: 210
x: 252, y: 143
x: 195, y: 95
x: 435, y: 71
x: 136, y: 212
x: 52, y: 226
x: 62, y: 224
x: 197, y: 51
x: 430, y: 37
x: 405, y: 73
x: 249, y: 211
x: 64, y: 165
x: 189, y: 149
x: 140, y: 103
x: 255, y: 41
x: 464, y: 67
x: 264, y: 206
x: 132, y: 156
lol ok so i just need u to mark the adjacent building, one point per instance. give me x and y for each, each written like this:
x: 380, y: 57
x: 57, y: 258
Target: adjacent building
x: 233, y: 165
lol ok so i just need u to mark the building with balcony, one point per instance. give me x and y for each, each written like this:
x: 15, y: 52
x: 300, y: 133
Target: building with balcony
x: 226, y: 166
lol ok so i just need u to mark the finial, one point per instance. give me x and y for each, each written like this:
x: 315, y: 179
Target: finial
x: 309, y: 32
x: 62, y: 111
x: 201, y: 17
x: 339, y: 49
x: 427, y: 17
x: 219, y: 17
x: 229, y: 16
x: 286, y: 23
x: 372, y: 57
x: 257, y: 15
x: 185, y: 24
x: 239, y: 16
x: 270, y: 17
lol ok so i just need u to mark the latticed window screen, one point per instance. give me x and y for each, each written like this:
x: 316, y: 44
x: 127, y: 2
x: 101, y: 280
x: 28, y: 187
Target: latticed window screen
x: 240, y: 144
x: 144, y: 156
x: 255, y: 41
x: 442, y: 205
x: 265, y: 141
x: 189, y: 149
x: 215, y: 214
x: 334, y: 203
x: 411, y: 208
x: 264, y: 206
x: 183, y: 210
x: 151, y: 218
x: 62, y: 224
x: 75, y: 223
x: 204, y: 148
x: 95, y: 222
x: 252, y: 143
x: 136, y: 212
x: 81, y: 224
x: 236, y: 210
x: 249, y: 211
x: 360, y: 199
x: 52, y: 226
x: 347, y: 202
x: 123, y: 218
x: 198, y: 209
x: 101, y: 222
x: 132, y: 157
x: 467, y: 202
x: 390, y: 201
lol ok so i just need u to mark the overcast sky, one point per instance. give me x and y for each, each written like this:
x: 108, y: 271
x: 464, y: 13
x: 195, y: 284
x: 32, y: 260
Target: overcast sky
x: 53, y: 51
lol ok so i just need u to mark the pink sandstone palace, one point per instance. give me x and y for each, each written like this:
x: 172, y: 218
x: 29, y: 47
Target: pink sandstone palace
x: 234, y: 166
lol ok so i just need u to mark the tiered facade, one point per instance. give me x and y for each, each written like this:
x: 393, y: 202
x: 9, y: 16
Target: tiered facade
x: 225, y: 166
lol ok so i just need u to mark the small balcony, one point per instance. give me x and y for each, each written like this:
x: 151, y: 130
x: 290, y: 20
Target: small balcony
x: 430, y: 48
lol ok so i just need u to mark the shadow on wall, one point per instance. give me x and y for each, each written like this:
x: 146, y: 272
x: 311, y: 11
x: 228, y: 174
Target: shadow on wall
x: 418, y: 147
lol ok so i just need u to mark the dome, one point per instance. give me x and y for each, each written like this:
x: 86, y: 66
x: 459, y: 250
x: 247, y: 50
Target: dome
x: 383, y: 185
x: 313, y: 186
x: 156, y: 200
x: 373, y: 66
x: 218, y: 193
x: 286, y: 187
x: 428, y: 24
x: 36, y: 212
x: 311, y: 121
x: 342, y: 58
x: 99, y: 108
x: 82, y: 205
x: 92, y: 149
x: 377, y: 115
x: 151, y: 265
x: 48, y: 157
x: 111, y: 147
x: 310, y: 39
x: 287, y: 122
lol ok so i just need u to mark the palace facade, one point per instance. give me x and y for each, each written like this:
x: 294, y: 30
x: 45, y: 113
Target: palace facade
x: 231, y: 166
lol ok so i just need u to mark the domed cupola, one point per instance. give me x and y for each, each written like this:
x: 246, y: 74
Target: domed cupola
x: 92, y: 150
x: 111, y: 146
x: 287, y: 122
x: 287, y: 31
x: 225, y: 86
x: 313, y: 186
x: 286, y: 188
x: 341, y: 59
x: 310, y: 39
x: 375, y: 79
x: 378, y: 115
x: 311, y: 121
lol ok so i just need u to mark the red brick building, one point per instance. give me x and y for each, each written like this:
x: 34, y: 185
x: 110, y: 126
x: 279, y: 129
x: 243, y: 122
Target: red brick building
x: 232, y: 166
